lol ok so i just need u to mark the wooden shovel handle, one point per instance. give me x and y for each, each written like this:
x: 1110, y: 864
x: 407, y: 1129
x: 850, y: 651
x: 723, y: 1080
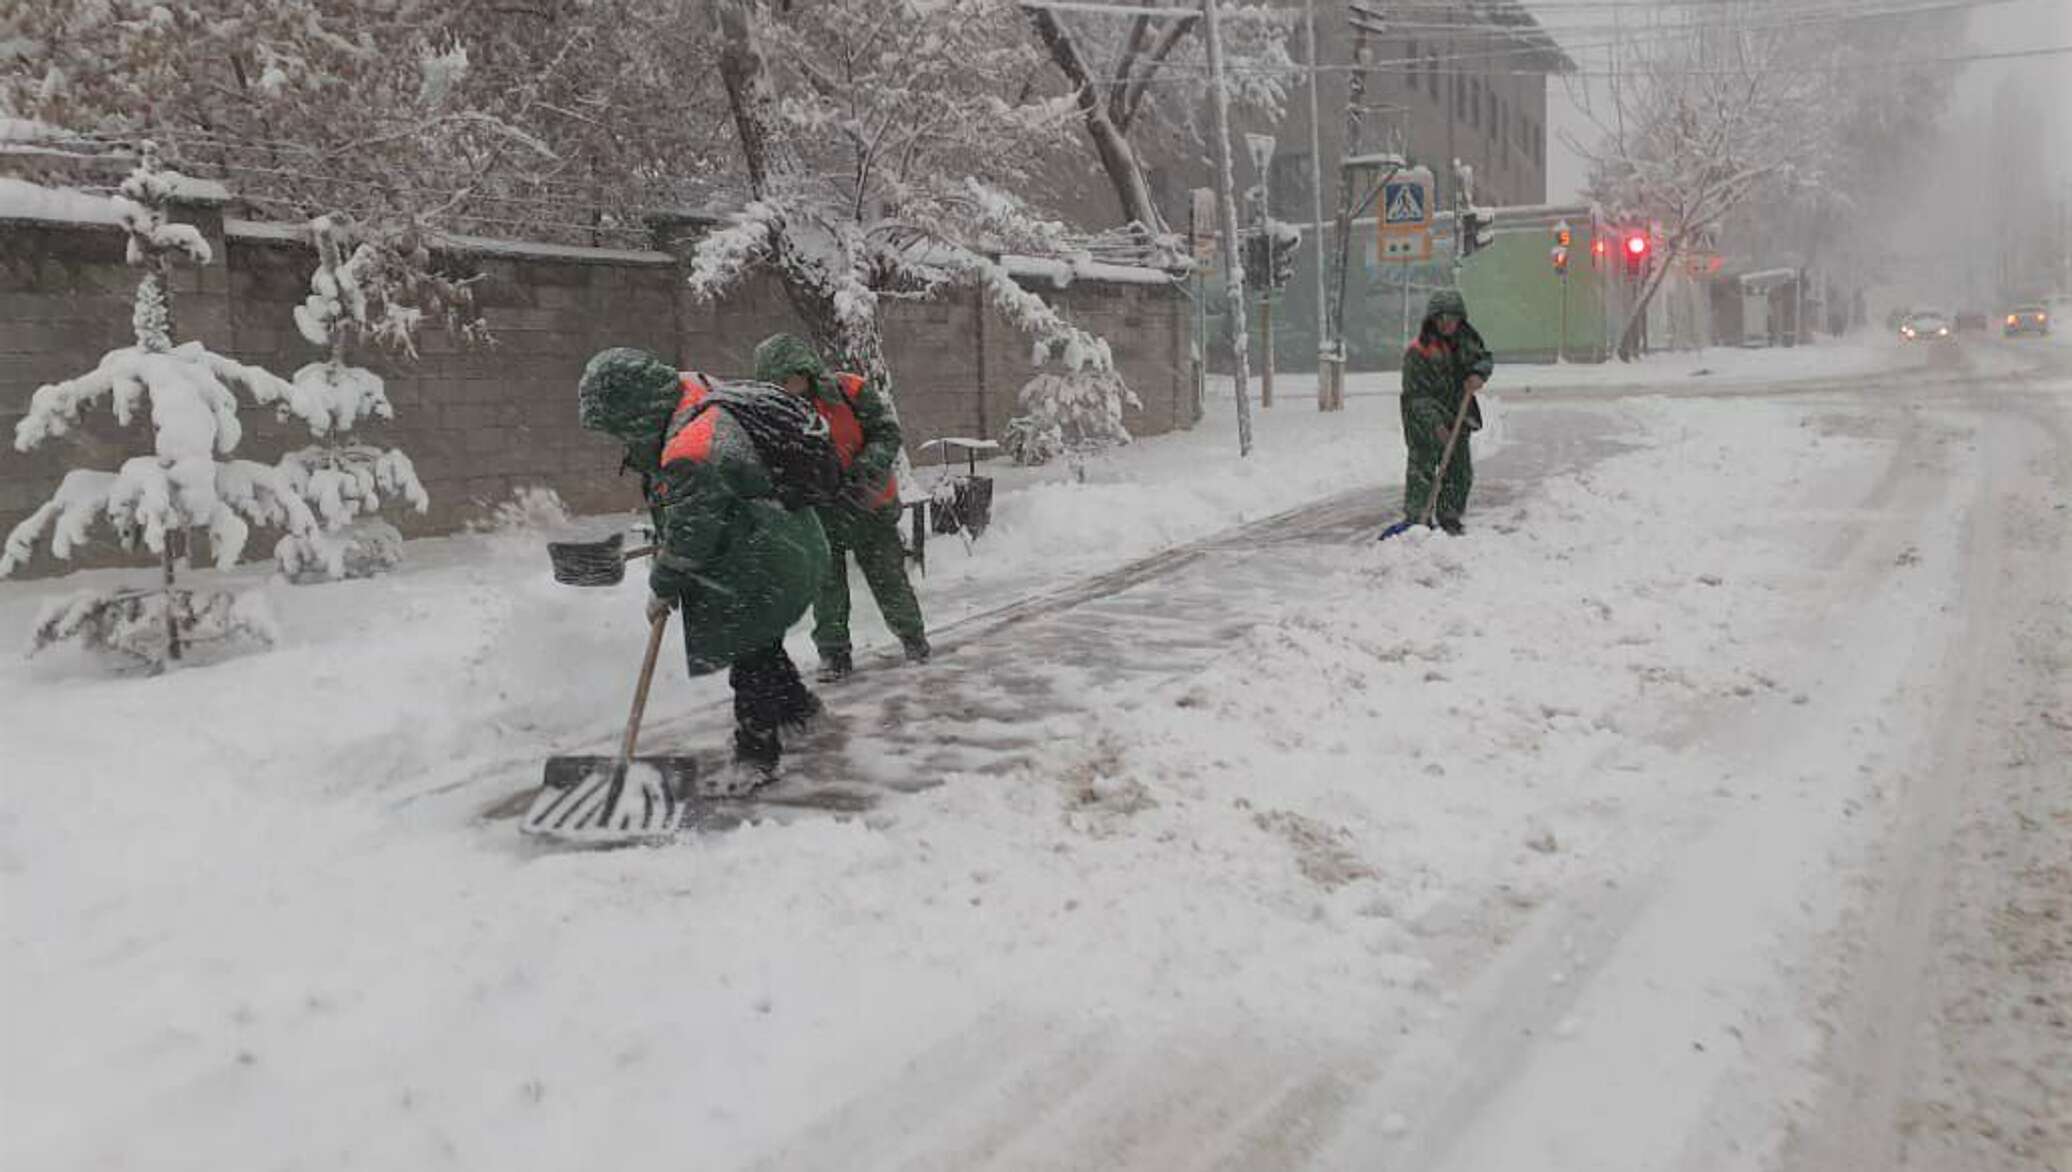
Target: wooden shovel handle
x: 640, y: 693
x: 1460, y: 419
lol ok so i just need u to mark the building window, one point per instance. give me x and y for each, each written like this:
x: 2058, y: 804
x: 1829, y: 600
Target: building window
x: 1460, y: 97
x: 1432, y: 74
x: 1475, y: 103
x: 1410, y: 59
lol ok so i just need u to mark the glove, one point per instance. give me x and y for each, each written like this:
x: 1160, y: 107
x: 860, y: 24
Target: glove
x: 659, y: 605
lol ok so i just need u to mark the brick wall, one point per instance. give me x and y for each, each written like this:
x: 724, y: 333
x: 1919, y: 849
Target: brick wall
x: 480, y: 422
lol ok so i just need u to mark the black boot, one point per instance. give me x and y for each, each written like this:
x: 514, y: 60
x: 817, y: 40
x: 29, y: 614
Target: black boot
x: 916, y: 649
x: 1452, y: 526
x: 756, y: 753
x: 835, y: 666
x: 804, y: 714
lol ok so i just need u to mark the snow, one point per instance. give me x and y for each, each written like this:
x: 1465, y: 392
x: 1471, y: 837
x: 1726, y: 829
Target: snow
x: 1062, y: 272
x: 23, y: 200
x: 331, y: 397
x: 1386, y: 812
x: 1859, y: 355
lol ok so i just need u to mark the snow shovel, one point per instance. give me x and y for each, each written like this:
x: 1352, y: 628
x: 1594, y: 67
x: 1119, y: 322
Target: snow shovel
x: 589, y: 799
x: 1460, y: 422
x: 593, y: 563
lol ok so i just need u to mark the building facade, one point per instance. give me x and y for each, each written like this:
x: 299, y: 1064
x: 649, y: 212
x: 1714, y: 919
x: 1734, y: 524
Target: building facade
x: 1444, y: 80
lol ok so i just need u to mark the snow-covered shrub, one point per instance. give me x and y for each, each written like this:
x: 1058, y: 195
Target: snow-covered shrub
x: 134, y: 622
x: 184, y: 484
x: 1069, y: 412
x: 1029, y: 440
x: 371, y: 290
x: 533, y: 508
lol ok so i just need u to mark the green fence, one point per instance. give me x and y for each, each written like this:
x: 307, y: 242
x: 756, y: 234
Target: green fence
x: 1514, y: 298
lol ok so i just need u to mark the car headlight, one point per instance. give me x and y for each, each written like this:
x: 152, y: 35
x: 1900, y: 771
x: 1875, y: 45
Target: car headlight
x: 2013, y: 320
x: 1944, y: 332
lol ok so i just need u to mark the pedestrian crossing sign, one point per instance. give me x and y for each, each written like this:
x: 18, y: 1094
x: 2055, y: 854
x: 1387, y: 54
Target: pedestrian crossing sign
x: 1403, y: 204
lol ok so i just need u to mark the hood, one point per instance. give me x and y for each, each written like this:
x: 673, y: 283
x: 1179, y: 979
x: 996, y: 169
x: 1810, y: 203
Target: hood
x: 780, y: 356
x: 628, y: 394
x: 1447, y: 301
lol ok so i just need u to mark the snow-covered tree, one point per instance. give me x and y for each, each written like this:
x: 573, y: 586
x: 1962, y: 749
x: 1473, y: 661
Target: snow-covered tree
x: 371, y: 291
x: 185, y: 484
x: 551, y: 121
x: 1140, y: 72
x: 1700, y: 124
x: 864, y: 140
x: 1073, y: 413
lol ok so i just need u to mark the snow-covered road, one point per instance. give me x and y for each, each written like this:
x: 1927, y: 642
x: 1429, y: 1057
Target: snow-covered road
x: 1706, y: 808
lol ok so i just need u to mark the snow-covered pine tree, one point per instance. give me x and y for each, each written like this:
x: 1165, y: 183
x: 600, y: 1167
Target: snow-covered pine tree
x: 183, y: 485
x: 863, y: 140
x: 367, y: 291
x: 1071, y: 413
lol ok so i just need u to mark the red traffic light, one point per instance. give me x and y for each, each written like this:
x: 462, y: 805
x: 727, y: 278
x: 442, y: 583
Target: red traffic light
x: 1637, y: 245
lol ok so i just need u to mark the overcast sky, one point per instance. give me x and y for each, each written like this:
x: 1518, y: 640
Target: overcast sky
x: 1998, y: 27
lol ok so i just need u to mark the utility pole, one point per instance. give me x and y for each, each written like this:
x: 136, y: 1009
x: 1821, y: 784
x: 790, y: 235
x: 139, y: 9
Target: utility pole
x: 1260, y: 147
x: 1233, y: 256
x: 1328, y: 398
x: 1332, y: 328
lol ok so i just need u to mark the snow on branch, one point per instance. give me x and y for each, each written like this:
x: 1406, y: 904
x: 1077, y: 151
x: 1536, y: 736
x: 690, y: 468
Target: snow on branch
x: 722, y: 257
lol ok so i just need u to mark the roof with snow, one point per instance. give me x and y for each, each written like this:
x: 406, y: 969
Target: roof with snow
x: 1537, y: 49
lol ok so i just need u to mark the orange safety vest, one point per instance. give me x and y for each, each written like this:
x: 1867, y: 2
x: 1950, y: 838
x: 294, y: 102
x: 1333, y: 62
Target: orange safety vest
x: 693, y: 443
x: 847, y: 433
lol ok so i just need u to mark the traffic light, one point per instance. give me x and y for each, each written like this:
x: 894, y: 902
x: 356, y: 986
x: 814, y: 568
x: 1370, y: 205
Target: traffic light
x: 1598, y: 250
x: 1270, y: 256
x: 1477, y: 230
x: 1636, y: 252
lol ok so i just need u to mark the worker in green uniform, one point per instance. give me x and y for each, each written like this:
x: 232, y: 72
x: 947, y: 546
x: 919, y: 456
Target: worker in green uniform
x: 730, y: 472
x: 1447, y: 362
x: 864, y: 523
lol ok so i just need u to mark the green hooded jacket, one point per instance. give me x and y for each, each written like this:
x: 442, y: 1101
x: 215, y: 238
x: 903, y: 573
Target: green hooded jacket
x: 870, y: 449
x: 1436, y: 370
x: 743, y: 567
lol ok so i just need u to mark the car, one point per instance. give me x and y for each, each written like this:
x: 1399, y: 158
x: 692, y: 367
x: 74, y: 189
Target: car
x: 1971, y: 321
x: 2026, y: 319
x: 1925, y: 325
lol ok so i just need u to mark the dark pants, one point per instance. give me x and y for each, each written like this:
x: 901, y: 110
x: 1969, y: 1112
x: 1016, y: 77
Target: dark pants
x: 1424, y: 434
x: 767, y: 694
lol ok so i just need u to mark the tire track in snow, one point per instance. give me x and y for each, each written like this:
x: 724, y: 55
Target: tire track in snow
x: 1909, y: 1086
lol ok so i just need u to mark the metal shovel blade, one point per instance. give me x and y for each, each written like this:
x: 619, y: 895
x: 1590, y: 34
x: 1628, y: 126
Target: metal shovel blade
x: 596, y: 798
